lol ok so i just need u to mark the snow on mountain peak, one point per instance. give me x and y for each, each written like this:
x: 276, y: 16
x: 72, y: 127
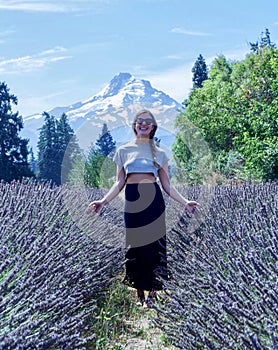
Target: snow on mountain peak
x: 114, y: 105
x: 124, y: 89
x: 117, y: 83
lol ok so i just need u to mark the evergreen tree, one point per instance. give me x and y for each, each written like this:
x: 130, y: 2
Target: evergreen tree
x: 99, y: 168
x: 200, y: 72
x: 67, y: 148
x: 265, y: 41
x: 48, y: 164
x: 57, y: 148
x: 105, y: 144
x: 13, y: 149
x: 33, y: 163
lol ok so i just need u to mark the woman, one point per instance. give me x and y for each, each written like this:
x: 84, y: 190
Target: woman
x: 139, y: 164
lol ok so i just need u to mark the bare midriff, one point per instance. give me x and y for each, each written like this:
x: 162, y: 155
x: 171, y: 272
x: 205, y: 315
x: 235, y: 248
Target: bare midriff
x: 136, y: 178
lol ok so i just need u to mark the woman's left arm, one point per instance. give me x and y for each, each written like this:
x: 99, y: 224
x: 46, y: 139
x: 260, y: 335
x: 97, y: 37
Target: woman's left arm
x: 172, y: 191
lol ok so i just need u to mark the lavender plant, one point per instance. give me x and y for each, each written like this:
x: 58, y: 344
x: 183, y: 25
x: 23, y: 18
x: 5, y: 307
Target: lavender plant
x: 52, y: 268
x: 223, y: 290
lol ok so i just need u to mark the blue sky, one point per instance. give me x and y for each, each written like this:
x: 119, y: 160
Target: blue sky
x: 55, y: 53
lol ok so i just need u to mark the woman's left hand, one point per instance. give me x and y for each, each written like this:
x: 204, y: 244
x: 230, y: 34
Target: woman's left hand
x: 96, y: 206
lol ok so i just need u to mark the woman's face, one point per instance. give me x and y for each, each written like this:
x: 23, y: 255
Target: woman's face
x: 143, y: 125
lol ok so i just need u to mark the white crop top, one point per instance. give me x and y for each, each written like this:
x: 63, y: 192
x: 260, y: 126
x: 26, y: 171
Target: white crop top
x: 138, y: 158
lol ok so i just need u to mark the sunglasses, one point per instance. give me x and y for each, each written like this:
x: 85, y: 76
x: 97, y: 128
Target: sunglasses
x: 148, y: 121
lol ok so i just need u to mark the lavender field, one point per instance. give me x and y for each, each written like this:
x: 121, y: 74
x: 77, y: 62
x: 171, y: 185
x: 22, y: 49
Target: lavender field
x: 51, y: 271
x: 55, y: 260
x: 223, y: 293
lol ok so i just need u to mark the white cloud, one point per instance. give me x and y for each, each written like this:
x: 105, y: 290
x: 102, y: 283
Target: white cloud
x: 184, y: 31
x: 30, y: 6
x: 173, y: 57
x: 44, y: 5
x: 49, y: 5
x: 30, y: 63
x: 4, y: 34
x: 55, y: 50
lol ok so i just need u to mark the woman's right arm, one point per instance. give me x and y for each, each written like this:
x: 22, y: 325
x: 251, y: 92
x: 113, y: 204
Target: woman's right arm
x: 96, y: 206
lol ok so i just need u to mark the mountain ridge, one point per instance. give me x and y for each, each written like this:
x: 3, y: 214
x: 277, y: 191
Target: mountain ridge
x: 116, y: 104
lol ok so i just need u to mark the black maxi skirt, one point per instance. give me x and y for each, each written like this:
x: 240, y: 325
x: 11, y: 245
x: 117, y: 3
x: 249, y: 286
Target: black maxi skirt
x: 144, y: 217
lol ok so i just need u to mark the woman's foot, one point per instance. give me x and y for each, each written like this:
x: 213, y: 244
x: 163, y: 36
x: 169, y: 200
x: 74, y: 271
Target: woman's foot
x: 141, y: 297
x: 150, y: 299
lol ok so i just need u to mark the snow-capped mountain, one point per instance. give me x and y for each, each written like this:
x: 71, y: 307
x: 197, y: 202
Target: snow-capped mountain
x: 116, y: 106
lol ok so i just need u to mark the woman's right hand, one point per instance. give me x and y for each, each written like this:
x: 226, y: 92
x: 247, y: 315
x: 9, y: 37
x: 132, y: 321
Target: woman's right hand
x: 192, y: 206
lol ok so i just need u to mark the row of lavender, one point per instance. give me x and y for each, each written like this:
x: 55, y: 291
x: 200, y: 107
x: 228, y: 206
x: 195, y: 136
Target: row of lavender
x: 52, y: 266
x: 223, y: 293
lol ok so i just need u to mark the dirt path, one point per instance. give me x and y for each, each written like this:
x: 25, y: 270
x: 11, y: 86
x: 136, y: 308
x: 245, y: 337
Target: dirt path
x: 148, y: 337
x: 144, y: 334
x: 123, y: 325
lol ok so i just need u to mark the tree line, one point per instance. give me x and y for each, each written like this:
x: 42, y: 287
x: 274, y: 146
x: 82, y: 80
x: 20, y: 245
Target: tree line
x: 234, y: 109
x: 228, y: 127
x: 58, y: 150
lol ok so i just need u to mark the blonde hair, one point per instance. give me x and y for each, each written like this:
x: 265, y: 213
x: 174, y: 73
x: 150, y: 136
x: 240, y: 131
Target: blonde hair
x: 152, y: 133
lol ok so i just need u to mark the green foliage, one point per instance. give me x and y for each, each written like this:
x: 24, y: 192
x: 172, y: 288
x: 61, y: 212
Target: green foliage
x: 99, y: 171
x: 93, y: 169
x: 57, y: 149
x: 192, y: 155
x: 229, y: 163
x: 76, y: 176
x: 13, y: 149
x: 208, y: 107
x: 257, y: 136
x: 236, y: 113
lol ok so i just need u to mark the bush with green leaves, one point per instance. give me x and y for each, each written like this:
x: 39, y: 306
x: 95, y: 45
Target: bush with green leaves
x: 236, y: 110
